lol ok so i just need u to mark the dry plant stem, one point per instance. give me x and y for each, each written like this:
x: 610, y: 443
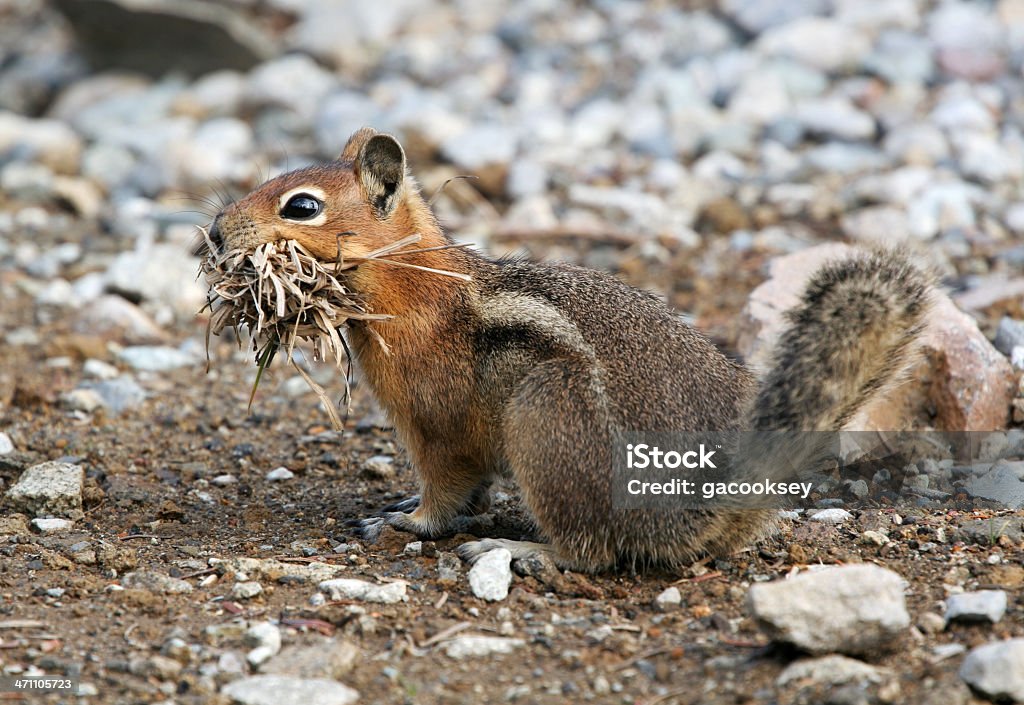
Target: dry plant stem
x: 282, y: 295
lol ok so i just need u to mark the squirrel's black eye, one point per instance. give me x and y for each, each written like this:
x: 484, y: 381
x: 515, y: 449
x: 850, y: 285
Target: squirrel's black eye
x: 301, y: 206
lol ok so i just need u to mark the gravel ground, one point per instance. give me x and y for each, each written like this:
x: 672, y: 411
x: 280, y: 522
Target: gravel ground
x: 182, y: 547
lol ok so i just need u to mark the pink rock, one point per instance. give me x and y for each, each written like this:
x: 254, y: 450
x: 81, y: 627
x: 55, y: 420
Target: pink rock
x: 962, y: 383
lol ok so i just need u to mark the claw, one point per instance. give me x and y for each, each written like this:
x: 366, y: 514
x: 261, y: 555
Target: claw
x: 405, y: 505
x: 368, y: 529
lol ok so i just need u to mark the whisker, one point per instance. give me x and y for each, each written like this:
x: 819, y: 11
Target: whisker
x: 443, y: 186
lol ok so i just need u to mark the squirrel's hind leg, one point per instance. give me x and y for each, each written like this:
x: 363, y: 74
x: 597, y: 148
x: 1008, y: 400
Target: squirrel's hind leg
x: 558, y: 446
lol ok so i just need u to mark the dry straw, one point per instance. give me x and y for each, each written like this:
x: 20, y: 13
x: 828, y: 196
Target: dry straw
x: 282, y: 294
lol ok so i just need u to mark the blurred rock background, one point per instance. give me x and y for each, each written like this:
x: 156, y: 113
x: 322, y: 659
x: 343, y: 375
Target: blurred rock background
x: 682, y: 145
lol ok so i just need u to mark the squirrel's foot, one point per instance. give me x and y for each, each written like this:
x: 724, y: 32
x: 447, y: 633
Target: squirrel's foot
x: 369, y: 529
x: 472, y: 550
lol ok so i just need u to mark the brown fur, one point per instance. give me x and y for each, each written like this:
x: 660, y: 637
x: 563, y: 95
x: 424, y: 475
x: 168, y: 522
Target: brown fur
x: 528, y: 370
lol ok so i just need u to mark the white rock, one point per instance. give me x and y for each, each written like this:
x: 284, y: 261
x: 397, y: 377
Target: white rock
x: 917, y: 143
x: 246, y: 590
x: 52, y: 526
x: 152, y: 358
x: 491, y: 575
x: 834, y: 515
x: 33, y: 182
x: 760, y: 98
x: 160, y: 273
x: 57, y: 293
x: 295, y: 82
x: 854, y: 609
x: 155, y: 582
x: 86, y: 400
x: 6, y: 445
x: 980, y: 606
x: 756, y: 16
x: 833, y: 670
x: 49, y: 489
x: 876, y: 224
x: 996, y: 670
x: 835, y: 117
x: 280, y: 474
x: 220, y: 150
x: 481, y: 146
x: 265, y: 638
x: 352, y: 589
x: 817, y: 41
x: 114, y: 314
x: 472, y: 646
x: 670, y: 597
x: 50, y: 142
x: 98, y: 369
x: 287, y: 690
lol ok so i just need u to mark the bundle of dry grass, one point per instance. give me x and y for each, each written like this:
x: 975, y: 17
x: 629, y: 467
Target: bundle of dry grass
x: 283, y: 295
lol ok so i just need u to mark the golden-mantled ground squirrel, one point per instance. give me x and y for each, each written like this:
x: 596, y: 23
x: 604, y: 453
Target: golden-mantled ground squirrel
x: 529, y: 369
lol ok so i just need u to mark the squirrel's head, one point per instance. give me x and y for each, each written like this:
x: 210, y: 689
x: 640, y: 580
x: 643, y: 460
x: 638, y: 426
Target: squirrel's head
x: 353, y: 205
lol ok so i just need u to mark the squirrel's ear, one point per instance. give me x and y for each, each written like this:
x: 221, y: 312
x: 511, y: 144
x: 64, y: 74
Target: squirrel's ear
x: 355, y: 144
x: 380, y: 167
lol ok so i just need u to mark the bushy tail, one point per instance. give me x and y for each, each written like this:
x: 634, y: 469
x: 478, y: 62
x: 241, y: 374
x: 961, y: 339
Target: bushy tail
x: 853, y: 334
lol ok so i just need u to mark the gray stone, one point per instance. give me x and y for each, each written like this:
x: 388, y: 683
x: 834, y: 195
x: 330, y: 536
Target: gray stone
x: 119, y: 394
x: 474, y: 646
x: 353, y: 589
x: 986, y: 532
x: 49, y: 489
x: 980, y: 606
x: 996, y: 670
x: 1009, y: 335
x: 162, y: 273
x: 1001, y: 483
x: 287, y: 690
x: 159, y: 36
x: 854, y: 609
x: 491, y: 575
x: 449, y: 566
x: 32, y: 182
x: 329, y: 658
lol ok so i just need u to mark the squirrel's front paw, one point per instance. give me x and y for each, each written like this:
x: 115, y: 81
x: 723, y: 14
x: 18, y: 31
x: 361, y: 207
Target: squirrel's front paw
x: 369, y: 529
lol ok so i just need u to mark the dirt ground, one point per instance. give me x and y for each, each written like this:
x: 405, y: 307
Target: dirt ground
x: 150, y: 504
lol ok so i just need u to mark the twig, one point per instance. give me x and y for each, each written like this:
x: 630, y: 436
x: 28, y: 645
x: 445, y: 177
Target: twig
x: 445, y: 634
